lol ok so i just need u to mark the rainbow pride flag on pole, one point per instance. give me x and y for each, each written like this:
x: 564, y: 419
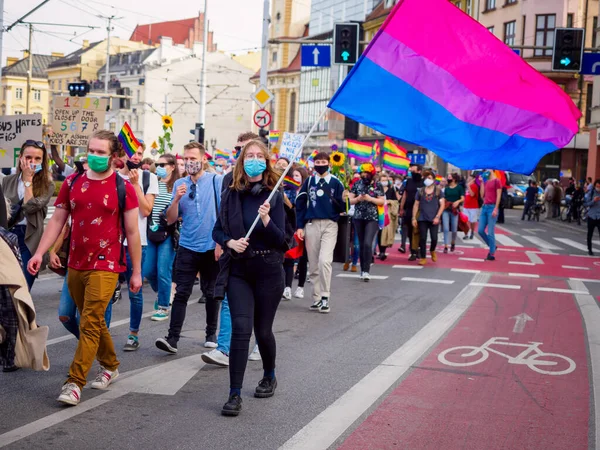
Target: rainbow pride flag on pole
x: 274, y: 137
x: 311, y: 157
x: 359, y: 151
x: 435, y: 77
x: 394, y: 149
x: 222, y: 154
x: 395, y: 163
x: 128, y: 141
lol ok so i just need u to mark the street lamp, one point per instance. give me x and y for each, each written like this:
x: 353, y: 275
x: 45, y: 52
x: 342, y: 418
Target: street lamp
x: 213, y: 143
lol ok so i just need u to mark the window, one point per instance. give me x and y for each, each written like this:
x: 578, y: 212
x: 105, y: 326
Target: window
x: 510, y: 2
x: 37, y: 95
x: 19, y: 93
x: 19, y: 112
x: 491, y: 30
x: 469, y: 10
x: 292, y: 126
x: 60, y: 85
x: 594, y: 33
x: 510, y: 31
x: 138, y: 96
x: 544, y: 33
x: 570, y: 20
x: 274, y: 57
x: 588, y: 103
x: 490, y: 4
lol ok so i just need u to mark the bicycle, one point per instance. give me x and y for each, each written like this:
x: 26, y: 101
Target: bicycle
x: 532, y: 361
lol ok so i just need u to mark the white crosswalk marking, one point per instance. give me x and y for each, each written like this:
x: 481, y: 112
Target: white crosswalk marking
x: 541, y: 243
x: 574, y: 244
x: 51, y: 210
x: 507, y: 241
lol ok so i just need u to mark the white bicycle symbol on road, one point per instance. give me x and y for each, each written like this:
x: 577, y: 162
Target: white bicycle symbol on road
x: 536, y: 361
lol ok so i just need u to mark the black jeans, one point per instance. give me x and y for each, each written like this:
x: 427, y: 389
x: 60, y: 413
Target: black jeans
x: 367, y: 230
x: 288, y: 267
x: 592, y: 225
x: 188, y: 264
x: 408, y: 230
x: 526, y: 208
x: 302, y: 269
x: 254, y: 291
x: 433, y: 231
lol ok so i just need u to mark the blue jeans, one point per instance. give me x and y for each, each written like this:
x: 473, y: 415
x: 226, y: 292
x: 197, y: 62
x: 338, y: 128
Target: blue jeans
x: 224, y: 340
x: 158, y: 269
x: 67, y: 309
x: 450, y: 224
x: 19, y: 230
x: 136, y: 301
x: 356, y: 252
x: 488, y: 220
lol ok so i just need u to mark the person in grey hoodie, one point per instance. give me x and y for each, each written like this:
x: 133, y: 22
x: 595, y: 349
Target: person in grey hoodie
x: 592, y: 201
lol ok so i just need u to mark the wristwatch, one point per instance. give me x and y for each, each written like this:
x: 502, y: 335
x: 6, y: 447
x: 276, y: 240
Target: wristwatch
x: 27, y: 184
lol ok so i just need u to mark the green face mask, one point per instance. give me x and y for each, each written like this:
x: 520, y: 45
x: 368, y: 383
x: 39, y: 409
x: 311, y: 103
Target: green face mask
x: 98, y: 164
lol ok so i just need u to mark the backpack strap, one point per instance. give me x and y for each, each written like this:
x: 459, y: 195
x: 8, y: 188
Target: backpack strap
x: 122, y: 196
x: 215, y: 195
x: 145, y: 181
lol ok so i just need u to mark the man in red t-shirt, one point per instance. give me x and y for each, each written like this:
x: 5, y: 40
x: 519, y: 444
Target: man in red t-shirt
x: 96, y: 256
x: 491, y: 193
x: 472, y: 204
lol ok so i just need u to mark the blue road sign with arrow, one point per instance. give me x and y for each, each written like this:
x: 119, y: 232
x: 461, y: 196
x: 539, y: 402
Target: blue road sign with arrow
x: 316, y: 56
x: 591, y: 64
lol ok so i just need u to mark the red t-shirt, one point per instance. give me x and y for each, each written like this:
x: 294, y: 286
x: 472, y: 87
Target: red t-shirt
x: 491, y: 191
x: 472, y: 202
x: 96, y: 233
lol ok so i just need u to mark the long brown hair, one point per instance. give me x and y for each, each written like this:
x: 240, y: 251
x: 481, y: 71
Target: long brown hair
x: 172, y: 160
x: 241, y: 180
x: 42, y: 179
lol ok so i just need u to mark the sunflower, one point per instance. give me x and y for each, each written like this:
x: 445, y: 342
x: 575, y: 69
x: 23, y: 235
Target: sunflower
x: 167, y: 121
x: 338, y: 159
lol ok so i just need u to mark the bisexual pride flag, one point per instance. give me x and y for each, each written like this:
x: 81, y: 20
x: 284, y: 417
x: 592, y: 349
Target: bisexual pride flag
x: 435, y: 77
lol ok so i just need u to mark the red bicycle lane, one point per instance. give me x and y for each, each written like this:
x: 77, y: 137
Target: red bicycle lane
x: 495, y: 402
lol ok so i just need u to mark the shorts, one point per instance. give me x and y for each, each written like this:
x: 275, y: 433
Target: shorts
x: 472, y: 214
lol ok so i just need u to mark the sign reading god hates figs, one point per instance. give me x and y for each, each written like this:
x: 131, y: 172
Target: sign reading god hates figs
x: 75, y: 119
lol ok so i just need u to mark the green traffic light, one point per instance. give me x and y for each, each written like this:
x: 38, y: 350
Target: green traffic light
x: 345, y: 55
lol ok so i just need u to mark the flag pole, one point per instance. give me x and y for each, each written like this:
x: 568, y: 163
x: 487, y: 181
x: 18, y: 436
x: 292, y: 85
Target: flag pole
x: 288, y: 168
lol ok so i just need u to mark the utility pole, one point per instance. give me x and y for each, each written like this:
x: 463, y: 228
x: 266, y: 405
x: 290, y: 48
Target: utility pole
x: 200, y: 126
x: 166, y: 104
x: 264, y: 66
x: 107, y: 65
x: 1, y: 34
x: 29, y: 69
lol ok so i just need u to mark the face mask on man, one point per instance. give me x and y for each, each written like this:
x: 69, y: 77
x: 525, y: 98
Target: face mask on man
x: 428, y: 182
x: 219, y: 169
x: 254, y: 167
x: 193, y: 167
x: 321, y: 170
x: 385, y: 183
x: 97, y: 163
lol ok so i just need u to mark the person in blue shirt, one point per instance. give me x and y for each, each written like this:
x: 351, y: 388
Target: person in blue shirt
x: 531, y: 194
x: 196, y: 200
x: 592, y: 201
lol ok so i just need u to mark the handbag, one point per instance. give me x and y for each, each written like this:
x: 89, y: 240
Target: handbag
x: 15, y: 214
x: 63, y: 253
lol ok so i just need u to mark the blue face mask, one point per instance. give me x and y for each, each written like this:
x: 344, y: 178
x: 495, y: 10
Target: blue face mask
x: 37, y: 167
x: 254, y: 167
x: 161, y: 172
x: 219, y: 169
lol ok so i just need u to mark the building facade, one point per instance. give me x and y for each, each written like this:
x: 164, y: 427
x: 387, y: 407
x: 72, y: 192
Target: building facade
x: 184, y: 32
x: 14, y: 85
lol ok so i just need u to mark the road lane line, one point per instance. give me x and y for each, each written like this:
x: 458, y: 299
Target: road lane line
x: 541, y: 243
x: 534, y: 258
x: 465, y: 270
x: 576, y: 267
x: 507, y: 241
x: 523, y: 275
x: 585, y: 280
x: 506, y: 249
x: 373, y: 277
x: 591, y: 318
x: 563, y: 291
x: 471, y: 259
x: 329, y: 425
x: 428, y: 280
x: 521, y: 263
x: 399, y: 266
x: 499, y: 286
x: 574, y: 244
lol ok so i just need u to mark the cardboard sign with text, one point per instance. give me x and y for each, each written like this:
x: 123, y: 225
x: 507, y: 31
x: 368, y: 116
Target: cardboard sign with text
x: 289, y: 146
x: 75, y: 119
x: 14, y: 130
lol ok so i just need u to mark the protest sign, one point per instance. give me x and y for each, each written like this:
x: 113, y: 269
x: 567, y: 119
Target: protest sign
x: 14, y: 130
x: 75, y: 119
x: 290, y: 145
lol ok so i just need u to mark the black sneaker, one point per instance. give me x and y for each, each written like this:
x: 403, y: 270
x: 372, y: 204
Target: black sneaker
x: 325, y: 308
x: 316, y: 306
x: 202, y: 299
x: 233, y: 407
x: 167, y: 344
x: 116, y: 295
x: 452, y: 247
x: 591, y: 253
x: 266, y: 388
x: 490, y: 257
x: 402, y: 249
x: 412, y: 257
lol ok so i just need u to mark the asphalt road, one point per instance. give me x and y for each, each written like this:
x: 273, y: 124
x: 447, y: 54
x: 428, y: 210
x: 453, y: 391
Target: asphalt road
x: 368, y: 375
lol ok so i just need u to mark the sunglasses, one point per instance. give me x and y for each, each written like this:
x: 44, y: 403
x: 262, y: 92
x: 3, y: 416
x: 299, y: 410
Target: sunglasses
x: 163, y: 164
x: 238, y: 148
x: 192, y: 192
x: 31, y: 142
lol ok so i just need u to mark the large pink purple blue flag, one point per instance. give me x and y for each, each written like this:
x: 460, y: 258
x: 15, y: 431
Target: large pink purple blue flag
x: 435, y: 77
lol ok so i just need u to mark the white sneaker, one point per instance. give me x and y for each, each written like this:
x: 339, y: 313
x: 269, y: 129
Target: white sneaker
x: 299, y: 293
x: 104, y: 378
x: 362, y: 275
x: 255, y: 355
x: 70, y: 394
x: 366, y: 277
x: 216, y: 357
x: 287, y: 293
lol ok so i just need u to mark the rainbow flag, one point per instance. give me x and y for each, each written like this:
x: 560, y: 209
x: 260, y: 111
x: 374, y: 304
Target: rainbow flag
x: 395, y: 163
x: 390, y: 147
x: 128, y: 141
x: 303, y: 163
x: 290, y: 183
x: 222, y: 154
x: 376, y: 152
x: 312, y: 155
x: 274, y: 137
x: 438, y: 179
x: 479, y: 111
x: 359, y: 150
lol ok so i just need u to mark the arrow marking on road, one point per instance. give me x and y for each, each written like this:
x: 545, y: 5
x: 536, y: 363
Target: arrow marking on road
x: 316, y: 54
x: 520, y: 322
x: 161, y: 379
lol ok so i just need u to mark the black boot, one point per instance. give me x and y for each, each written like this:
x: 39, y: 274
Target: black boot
x: 233, y: 407
x: 413, y: 257
x: 266, y: 388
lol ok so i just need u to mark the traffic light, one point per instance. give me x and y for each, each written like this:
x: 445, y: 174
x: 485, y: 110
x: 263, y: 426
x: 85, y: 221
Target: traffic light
x: 198, y: 133
x: 263, y: 134
x: 79, y: 89
x: 568, y: 49
x: 346, y: 37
